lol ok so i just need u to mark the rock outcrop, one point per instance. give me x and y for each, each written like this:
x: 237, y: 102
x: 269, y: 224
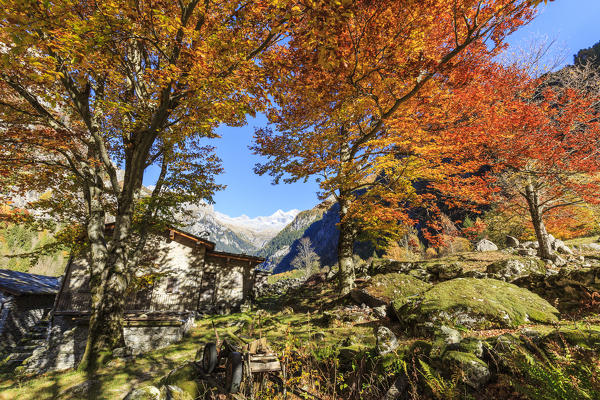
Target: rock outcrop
x: 485, y: 245
x: 388, y: 289
x: 512, y: 269
x: 476, y: 304
x: 569, y: 289
x: 386, y: 341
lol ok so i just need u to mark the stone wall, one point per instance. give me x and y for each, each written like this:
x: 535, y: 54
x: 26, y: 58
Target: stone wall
x: 6, y: 302
x: 67, y: 341
x: 141, y: 339
x: 65, y: 347
x: 234, y: 281
x: 20, y: 313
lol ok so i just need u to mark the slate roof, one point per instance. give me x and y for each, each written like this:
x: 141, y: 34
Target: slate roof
x: 20, y: 283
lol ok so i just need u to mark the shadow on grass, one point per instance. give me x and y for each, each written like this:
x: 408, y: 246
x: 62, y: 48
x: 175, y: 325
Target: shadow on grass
x: 112, y: 381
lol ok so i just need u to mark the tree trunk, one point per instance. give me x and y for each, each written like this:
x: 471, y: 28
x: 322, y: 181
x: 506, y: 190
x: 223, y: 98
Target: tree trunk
x: 106, y: 322
x: 108, y: 283
x: 109, y: 260
x: 345, y: 249
x: 545, y: 249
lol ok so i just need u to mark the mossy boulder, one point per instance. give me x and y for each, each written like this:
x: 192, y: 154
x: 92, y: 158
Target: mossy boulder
x: 350, y: 353
x: 471, y: 345
x: 145, y: 393
x: 421, y: 347
x: 386, y: 340
x: 384, y: 266
x: 172, y: 392
x: 445, y: 339
x: 385, y: 289
x: 442, y: 271
x: 475, y: 372
x: 587, y: 338
x: 512, y: 269
x: 184, y: 378
x: 476, y: 304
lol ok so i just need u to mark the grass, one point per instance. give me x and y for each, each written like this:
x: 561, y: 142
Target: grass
x: 119, y: 377
x: 292, y: 274
x: 582, y: 240
x: 113, y: 381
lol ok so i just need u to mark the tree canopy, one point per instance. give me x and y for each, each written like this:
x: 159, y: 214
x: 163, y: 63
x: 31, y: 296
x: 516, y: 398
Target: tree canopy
x: 359, y: 96
x: 96, y: 92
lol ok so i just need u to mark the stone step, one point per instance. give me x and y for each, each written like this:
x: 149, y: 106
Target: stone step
x: 39, y: 329
x: 19, y: 355
x: 25, y: 347
x: 32, y: 341
x: 35, y: 335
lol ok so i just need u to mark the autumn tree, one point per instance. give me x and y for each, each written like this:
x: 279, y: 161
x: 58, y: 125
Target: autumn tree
x: 359, y: 91
x: 541, y: 138
x: 94, y: 93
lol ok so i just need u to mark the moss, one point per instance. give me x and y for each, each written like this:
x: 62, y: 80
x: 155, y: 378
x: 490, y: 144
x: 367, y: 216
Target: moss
x: 395, y: 286
x: 185, y: 378
x: 587, y: 338
x: 176, y: 393
x: 462, y: 358
x: 438, y: 348
x: 421, y: 347
x: 471, y: 345
x: 348, y: 354
x: 479, y: 304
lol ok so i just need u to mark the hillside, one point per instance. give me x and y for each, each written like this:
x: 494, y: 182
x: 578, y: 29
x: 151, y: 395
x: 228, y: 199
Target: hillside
x: 18, y: 240
x: 471, y: 325
x: 317, y: 223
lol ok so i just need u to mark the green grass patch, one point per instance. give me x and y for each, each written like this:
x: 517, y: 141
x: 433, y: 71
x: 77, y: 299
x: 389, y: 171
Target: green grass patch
x: 292, y: 274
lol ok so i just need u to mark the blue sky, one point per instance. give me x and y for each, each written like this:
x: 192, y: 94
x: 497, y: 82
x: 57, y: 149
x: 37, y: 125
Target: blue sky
x: 574, y: 23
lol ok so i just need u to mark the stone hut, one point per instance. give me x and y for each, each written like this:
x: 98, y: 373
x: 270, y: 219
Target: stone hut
x: 25, y: 300
x: 182, y: 278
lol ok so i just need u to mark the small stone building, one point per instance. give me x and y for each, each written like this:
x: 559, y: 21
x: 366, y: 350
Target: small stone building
x: 181, y: 278
x: 25, y: 300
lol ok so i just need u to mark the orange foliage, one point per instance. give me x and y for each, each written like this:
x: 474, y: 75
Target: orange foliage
x: 540, y: 139
x: 360, y: 96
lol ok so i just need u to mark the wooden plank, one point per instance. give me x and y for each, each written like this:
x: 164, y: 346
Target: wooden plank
x: 270, y: 366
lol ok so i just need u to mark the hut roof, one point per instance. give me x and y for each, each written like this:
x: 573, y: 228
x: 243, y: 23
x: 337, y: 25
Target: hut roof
x: 22, y: 283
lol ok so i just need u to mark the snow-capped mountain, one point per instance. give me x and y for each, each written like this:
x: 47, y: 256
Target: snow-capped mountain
x: 275, y: 222
x: 236, y: 234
